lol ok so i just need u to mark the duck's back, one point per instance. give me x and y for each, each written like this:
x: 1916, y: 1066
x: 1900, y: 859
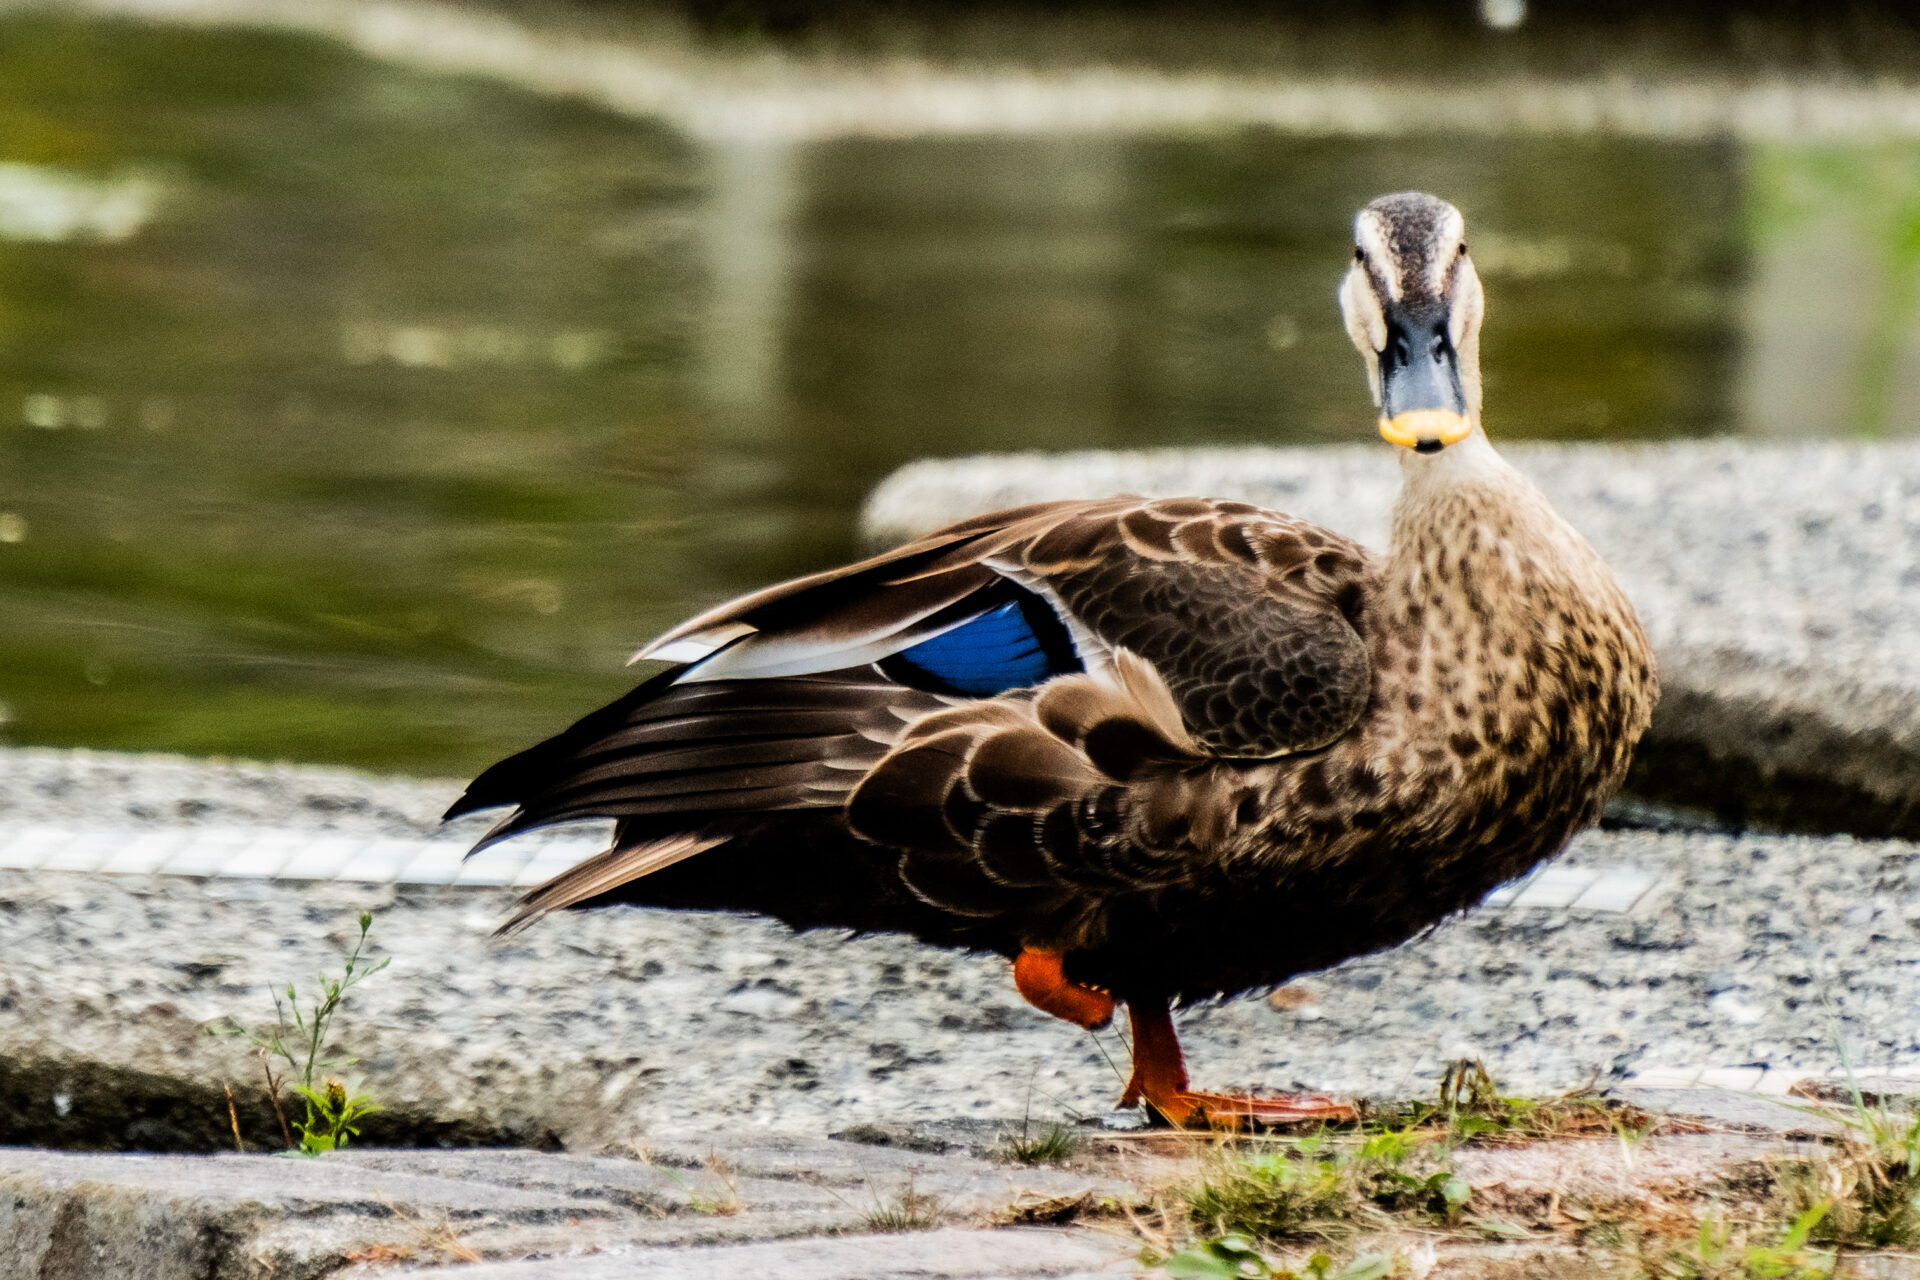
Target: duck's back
x: 1200, y: 746
x: 983, y: 734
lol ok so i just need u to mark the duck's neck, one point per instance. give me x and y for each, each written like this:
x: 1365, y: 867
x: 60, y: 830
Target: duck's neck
x: 1511, y: 678
x: 1471, y: 464
x: 1467, y: 532
x: 1483, y: 581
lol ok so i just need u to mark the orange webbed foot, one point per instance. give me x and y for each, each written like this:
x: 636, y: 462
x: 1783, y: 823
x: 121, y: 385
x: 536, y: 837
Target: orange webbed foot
x: 1187, y: 1109
x: 1160, y: 1081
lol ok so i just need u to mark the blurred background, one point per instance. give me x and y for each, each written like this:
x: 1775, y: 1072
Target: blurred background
x: 374, y: 378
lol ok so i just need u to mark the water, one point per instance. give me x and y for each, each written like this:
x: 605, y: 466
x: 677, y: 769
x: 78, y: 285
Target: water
x: 350, y: 414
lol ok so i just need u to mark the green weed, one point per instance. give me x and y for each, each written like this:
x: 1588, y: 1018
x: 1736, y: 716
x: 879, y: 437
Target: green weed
x: 1322, y: 1188
x: 1236, y: 1258
x: 1053, y: 1145
x: 1396, y: 1171
x: 1723, y: 1252
x: 1867, y: 1185
x: 332, y: 1109
x: 910, y: 1210
x: 1858, y: 1192
x: 1471, y: 1109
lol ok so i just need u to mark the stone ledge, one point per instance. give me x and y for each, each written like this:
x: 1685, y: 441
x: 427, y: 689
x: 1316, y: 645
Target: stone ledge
x: 66, y: 1216
x: 950, y: 1254
x: 797, y: 1209
x: 1779, y: 583
x: 610, y: 1032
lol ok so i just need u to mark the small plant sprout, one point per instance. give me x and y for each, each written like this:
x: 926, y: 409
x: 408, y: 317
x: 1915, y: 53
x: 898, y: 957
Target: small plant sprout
x: 723, y: 1195
x: 332, y: 1116
x: 1719, y: 1251
x: 910, y: 1210
x: 333, y: 1109
x: 1236, y: 1258
x: 1053, y: 1145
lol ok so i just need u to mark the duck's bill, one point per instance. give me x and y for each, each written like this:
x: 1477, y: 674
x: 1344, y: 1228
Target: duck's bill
x: 1425, y: 430
x: 1422, y: 405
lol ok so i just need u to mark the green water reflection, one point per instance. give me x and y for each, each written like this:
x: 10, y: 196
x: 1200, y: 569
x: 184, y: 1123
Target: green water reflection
x: 348, y: 414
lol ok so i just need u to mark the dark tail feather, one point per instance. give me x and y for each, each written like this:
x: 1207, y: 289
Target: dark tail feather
x: 672, y: 760
x: 533, y: 769
x: 604, y: 872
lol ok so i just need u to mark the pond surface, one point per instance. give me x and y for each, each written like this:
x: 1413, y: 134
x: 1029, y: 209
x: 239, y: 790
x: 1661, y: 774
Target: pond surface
x: 350, y: 414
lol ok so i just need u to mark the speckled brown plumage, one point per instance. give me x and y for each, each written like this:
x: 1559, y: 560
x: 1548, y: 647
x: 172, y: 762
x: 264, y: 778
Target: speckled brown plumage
x: 1286, y: 727
x: 1262, y: 748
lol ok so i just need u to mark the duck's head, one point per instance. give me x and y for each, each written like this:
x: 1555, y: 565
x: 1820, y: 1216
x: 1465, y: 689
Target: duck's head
x: 1413, y: 306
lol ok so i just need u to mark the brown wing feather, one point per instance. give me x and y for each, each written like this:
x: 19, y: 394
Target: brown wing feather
x: 679, y: 755
x: 603, y: 873
x: 1248, y: 616
x: 893, y: 598
x: 1210, y: 630
x: 1037, y: 807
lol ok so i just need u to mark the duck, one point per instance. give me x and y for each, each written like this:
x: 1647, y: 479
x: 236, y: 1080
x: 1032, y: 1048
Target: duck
x: 1151, y: 751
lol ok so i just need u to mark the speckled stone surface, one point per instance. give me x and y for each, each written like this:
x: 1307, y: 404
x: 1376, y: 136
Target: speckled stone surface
x: 1780, y: 585
x: 609, y: 1029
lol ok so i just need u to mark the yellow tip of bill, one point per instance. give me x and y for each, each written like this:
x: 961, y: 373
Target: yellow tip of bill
x: 1425, y: 429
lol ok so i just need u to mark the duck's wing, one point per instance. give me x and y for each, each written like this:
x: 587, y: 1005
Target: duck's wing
x: 864, y: 612
x: 1247, y: 615
x: 1163, y: 636
x: 1015, y: 807
x: 1227, y: 635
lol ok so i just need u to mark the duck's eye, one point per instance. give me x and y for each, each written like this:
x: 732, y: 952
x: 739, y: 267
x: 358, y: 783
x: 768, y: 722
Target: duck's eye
x: 1359, y: 254
x: 1400, y: 349
x: 1440, y: 345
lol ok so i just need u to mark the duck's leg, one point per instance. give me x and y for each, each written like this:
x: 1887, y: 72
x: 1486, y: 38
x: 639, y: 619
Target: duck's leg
x: 1160, y: 1080
x: 1044, y: 982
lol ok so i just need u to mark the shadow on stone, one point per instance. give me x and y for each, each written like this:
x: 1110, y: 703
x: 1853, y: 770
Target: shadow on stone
x: 1761, y: 787
x: 92, y: 1106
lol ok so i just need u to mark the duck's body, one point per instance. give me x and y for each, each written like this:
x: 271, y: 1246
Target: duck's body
x: 1154, y: 750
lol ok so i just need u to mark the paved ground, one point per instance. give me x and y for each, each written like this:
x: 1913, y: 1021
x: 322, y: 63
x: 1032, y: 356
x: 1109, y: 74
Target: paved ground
x: 726, y: 1204
x: 1639, y: 952
x: 130, y: 1217
x: 1779, y: 583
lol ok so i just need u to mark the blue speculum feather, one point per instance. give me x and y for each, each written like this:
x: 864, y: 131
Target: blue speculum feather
x: 997, y: 651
